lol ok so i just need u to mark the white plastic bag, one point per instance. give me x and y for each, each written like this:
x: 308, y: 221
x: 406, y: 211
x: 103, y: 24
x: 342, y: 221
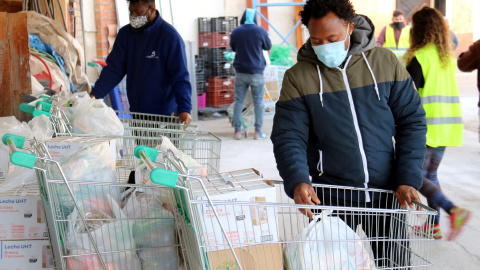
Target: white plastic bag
x: 15, y: 176
x: 70, y: 104
x: 193, y: 167
x: 95, y: 117
x: 153, y: 230
x: 93, y: 163
x: 41, y: 127
x: 327, y: 243
x: 109, y: 237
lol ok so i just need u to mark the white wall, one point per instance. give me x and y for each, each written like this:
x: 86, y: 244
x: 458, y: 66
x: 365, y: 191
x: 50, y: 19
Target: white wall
x: 90, y: 37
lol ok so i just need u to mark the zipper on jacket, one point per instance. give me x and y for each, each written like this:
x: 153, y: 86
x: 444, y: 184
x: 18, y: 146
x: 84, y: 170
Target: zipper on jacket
x: 394, y: 148
x: 138, y: 73
x: 357, y: 127
x: 320, y: 163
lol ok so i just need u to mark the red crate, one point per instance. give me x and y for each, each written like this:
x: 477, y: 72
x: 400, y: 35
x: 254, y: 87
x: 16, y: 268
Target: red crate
x: 220, y: 99
x: 229, y: 82
x: 213, y: 40
x: 202, y: 100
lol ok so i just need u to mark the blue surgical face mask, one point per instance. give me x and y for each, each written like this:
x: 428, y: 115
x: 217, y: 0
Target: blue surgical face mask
x: 332, y: 54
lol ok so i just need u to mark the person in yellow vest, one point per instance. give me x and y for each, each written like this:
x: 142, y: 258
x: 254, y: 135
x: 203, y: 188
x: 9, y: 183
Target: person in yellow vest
x: 432, y: 66
x: 395, y: 36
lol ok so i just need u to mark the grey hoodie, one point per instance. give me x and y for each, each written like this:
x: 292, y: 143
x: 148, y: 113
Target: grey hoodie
x: 362, y: 38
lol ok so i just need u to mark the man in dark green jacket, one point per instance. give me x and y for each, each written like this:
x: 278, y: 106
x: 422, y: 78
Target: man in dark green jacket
x: 348, y: 115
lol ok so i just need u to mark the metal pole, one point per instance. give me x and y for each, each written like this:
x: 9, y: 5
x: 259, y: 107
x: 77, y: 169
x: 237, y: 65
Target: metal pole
x: 83, y: 37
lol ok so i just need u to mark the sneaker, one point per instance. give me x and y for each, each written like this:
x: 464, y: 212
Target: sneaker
x: 429, y: 230
x: 458, y: 218
x: 260, y: 135
x: 237, y: 135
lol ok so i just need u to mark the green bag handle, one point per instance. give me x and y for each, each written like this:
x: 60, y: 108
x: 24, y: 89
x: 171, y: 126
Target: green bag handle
x: 18, y: 141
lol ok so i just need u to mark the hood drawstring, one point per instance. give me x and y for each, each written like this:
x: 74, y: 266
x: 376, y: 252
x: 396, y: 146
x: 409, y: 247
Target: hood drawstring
x: 373, y: 75
x: 321, y: 85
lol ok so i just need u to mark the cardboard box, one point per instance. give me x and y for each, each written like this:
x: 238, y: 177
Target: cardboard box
x: 254, y: 257
x: 247, y: 224
x: 22, y: 218
x: 270, y: 74
x: 273, y: 90
x: 26, y: 255
x: 59, y: 147
x: 4, y: 162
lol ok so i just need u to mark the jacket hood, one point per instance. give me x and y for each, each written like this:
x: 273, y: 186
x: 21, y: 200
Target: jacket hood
x: 248, y: 17
x: 362, y: 39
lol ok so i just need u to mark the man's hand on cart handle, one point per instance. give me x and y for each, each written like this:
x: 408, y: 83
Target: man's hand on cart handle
x: 407, y: 194
x: 305, y: 194
x: 185, y: 118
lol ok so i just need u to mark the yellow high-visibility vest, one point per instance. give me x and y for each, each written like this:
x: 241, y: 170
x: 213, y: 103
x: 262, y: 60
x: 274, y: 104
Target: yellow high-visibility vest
x: 440, y: 99
x: 403, y: 42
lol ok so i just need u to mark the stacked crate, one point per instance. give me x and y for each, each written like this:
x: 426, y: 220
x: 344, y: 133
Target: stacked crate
x: 201, y: 80
x: 220, y: 91
x: 214, y: 44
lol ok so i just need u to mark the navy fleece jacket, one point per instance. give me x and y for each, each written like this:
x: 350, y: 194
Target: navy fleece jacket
x: 249, y: 41
x: 155, y: 63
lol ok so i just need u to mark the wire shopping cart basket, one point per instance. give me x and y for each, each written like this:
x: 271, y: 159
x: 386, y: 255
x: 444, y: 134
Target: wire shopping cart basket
x: 146, y: 120
x: 95, y: 225
x: 265, y: 230
x: 205, y: 147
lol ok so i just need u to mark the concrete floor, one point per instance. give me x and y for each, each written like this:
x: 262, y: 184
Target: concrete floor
x: 459, y: 174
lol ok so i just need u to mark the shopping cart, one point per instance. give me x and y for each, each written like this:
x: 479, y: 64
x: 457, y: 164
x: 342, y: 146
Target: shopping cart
x: 375, y: 235
x: 94, y: 225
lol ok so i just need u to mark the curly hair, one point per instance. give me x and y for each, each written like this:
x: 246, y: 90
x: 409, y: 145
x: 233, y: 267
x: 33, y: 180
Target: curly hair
x: 317, y: 9
x: 429, y: 27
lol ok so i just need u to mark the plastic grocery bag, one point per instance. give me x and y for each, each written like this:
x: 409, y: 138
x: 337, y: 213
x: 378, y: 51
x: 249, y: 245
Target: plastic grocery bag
x: 95, y: 117
x: 70, y: 104
x: 41, y: 127
x: 93, y: 163
x: 327, y: 243
x: 115, y: 238
x: 142, y: 177
x: 153, y: 230
x: 15, y: 176
x: 193, y: 167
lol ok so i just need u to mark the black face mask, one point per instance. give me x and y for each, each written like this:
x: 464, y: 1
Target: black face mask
x: 398, y: 25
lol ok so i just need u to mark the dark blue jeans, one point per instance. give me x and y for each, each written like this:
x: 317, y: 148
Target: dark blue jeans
x: 256, y: 83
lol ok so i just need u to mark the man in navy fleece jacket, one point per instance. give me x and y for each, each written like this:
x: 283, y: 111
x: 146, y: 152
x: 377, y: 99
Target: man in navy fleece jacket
x: 152, y: 55
x: 248, y: 41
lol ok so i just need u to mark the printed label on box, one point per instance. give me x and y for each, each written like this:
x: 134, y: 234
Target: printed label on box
x: 22, y: 218
x: 244, y: 224
x: 26, y: 255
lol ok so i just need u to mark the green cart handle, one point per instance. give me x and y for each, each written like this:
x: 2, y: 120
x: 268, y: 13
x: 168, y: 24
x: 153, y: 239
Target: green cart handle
x: 40, y: 112
x: 18, y: 141
x: 164, y: 177
x: 46, y: 107
x: 23, y: 159
x: 19, y: 158
x: 157, y: 175
x: 26, y: 108
x: 149, y: 152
